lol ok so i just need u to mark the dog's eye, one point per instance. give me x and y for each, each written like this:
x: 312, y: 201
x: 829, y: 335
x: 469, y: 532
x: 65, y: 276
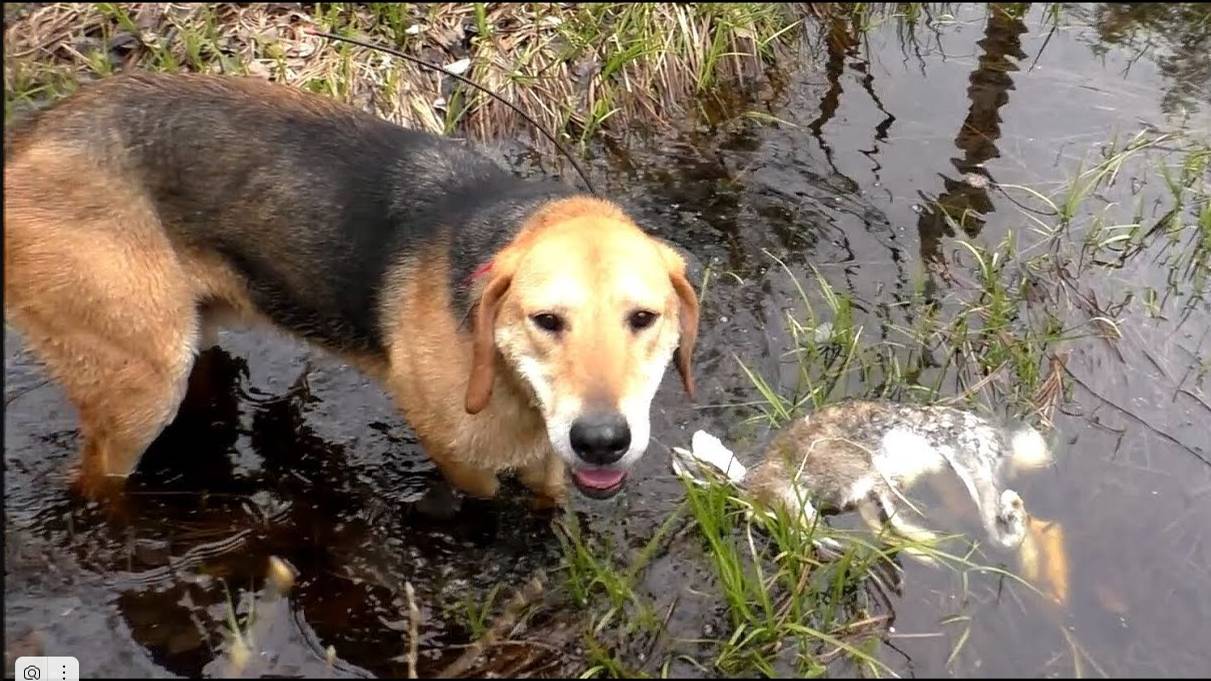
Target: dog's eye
x: 641, y: 320
x: 548, y: 322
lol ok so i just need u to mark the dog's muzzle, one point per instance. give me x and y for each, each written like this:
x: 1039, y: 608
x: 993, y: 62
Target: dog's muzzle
x: 600, y: 441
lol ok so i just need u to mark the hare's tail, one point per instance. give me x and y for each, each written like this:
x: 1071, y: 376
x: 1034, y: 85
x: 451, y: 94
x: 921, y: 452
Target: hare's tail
x: 1028, y: 449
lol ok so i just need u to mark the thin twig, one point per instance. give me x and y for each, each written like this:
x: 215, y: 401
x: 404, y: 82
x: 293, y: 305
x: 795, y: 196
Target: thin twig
x: 18, y: 394
x: 1125, y: 412
x: 660, y: 633
x: 413, y: 629
x: 974, y: 388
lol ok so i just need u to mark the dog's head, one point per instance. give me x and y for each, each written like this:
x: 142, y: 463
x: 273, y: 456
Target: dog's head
x: 588, y: 311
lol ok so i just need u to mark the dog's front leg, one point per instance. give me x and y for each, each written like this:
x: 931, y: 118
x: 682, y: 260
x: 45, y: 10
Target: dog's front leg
x: 545, y: 478
x: 472, y: 480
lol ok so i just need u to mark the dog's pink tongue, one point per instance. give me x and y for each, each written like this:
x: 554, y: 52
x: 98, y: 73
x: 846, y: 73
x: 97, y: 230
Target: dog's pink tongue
x: 599, y: 478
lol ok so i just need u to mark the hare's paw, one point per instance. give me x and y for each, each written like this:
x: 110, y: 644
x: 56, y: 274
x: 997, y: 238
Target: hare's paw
x: 709, y: 450
x: 1011, y: 519
x: 686, y: 466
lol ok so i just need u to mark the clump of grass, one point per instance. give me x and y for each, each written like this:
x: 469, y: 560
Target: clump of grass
x: 603, y: 586
x: 979, y: 331
x: 579, y: 69
x: 606, y: 65
x: 1176, y: 235
x: 778, y: 594
x: 476, y: 612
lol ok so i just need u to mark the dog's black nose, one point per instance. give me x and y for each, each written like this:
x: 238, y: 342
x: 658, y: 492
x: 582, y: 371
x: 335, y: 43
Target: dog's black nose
x: 601, y: 439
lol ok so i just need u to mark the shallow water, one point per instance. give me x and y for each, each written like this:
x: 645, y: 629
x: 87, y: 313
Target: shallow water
x: 281, y: 451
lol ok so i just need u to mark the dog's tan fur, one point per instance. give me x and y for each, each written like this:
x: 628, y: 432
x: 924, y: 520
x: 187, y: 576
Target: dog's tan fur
x: 117, y: 310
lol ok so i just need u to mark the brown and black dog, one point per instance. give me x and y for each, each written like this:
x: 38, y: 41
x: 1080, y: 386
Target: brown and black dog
x: 518, y: 325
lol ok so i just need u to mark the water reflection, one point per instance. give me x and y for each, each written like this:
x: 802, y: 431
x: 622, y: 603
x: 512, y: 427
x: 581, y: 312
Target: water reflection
x: 243, y: 474
x: 965, y: 200
x: 1179, y: 33
x: 841, y: 41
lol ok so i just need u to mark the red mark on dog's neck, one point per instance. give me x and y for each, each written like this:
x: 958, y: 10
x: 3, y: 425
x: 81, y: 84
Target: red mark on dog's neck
x: 481, y: 271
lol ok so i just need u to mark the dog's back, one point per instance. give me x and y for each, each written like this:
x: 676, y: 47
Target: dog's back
x: 233, y: 166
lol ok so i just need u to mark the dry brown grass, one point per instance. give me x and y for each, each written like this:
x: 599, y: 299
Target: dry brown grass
x: 575, y: 68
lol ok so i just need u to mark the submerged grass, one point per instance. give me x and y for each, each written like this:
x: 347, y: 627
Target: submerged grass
x: 600, y: 582
x: 788, y: 611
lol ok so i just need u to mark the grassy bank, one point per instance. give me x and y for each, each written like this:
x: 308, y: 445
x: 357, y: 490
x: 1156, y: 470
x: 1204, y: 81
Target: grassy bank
x: 575, y: 68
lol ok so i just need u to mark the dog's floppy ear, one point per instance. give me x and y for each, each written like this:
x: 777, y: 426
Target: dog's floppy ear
x: 483, y: 344
x: 688, y: 317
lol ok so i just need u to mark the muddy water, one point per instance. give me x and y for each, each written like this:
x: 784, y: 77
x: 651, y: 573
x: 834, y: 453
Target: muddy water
x: 281, y: 451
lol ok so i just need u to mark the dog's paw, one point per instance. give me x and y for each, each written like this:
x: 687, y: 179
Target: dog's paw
x: 546, y: 502
x: 439, y: 501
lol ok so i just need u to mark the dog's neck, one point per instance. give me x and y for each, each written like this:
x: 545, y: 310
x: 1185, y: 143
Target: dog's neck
x: 516, y: 389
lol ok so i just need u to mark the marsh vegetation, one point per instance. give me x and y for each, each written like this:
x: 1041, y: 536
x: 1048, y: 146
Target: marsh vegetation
x: 1004, y: 207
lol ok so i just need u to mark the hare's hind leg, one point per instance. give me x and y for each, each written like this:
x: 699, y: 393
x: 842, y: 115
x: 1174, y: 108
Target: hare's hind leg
x: 879, y: 510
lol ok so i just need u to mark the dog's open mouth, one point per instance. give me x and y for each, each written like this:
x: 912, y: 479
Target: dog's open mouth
x: 599, y: 483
